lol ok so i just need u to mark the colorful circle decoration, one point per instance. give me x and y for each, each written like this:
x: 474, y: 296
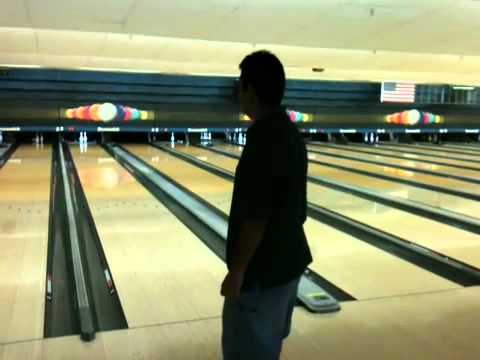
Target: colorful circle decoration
x: 413, y: 117
x: 107, y: 112
x: 296, y: 116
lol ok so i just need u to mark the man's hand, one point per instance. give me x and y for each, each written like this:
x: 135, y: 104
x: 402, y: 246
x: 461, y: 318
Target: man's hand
x: 232, y: 285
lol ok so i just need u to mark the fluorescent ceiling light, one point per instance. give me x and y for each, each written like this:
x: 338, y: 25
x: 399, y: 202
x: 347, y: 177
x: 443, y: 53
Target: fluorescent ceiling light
x: 20, y: 66
x: 464, y: 88
x: 119, y: 70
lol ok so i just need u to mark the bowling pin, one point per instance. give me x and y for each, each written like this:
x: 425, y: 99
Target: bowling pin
x: 376, y: 139
x: 366, y: 138
x: 172, y: 138
x: 209, y: 136
x: 371, y: 138
x: 1, y: 138
x: 234, y: 137
x: 41, y: 139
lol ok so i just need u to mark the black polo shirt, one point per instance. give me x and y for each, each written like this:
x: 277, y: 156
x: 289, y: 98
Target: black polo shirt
x: 270, y: 184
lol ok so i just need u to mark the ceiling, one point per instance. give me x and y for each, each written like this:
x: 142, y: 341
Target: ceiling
x: 432, y: 41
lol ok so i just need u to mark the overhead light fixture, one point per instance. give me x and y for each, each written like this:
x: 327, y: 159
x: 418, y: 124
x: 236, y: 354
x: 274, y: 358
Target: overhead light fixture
x: 20, y: 66
x: 463, y: 88
x: 141, y: 71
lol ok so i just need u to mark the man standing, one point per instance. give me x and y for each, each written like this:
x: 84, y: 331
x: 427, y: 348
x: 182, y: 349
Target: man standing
x: 267, y: 250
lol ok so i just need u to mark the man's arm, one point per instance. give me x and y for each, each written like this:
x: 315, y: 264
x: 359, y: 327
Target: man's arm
x: 251, y: 233
x: 249, y: 238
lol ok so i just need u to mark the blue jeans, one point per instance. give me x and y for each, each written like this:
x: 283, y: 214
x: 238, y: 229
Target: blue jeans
x: 255, y: 323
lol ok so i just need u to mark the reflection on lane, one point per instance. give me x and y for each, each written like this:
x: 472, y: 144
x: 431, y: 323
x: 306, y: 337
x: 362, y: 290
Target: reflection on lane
x: 406, y: 148
x: 146, y: 247
x: 24, y: 212
x: 337, y: 256
x: 394, y: 161
x: 457, y: 204
x: 451, y: 241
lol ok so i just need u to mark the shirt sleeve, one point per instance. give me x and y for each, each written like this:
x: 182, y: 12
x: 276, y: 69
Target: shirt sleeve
x: 258, y: 181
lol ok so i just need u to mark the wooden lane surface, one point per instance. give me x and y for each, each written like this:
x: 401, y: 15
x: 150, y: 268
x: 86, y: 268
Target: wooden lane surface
x: 162, y: 271
x: 402, y: 174
x: 460, y: 146
x: 347, y: 262
x: 408, y: 156
x: 440, y: 326
x: 409, y: 163
x: 451, y: 241
x: 430, y: 152
x: 24, y: 214
x: 446, y: 149
x: 457, y: 204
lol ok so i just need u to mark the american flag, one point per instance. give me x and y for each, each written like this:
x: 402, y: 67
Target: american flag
x: 402, y: 92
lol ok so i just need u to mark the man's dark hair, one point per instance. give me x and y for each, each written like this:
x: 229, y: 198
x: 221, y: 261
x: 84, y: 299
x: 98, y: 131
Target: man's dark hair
x: 265, y: 73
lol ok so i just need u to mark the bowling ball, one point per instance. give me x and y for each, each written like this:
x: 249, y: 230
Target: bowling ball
x: 298, y: 116
x: 107, y: 112
x: 413, y: 117
x: 128, y: 113
x: 425, y: 118
x: 77, y: 112
x: 80, y: 114
x: 93, y: 112
x: 144, y: 116
x: 69, y: 114
x: 396, y: 118
x: 431, y: 118
x: 292, y: 116
x: 135, y: 114
x: 404, y: 118
x: 86, y: 113
x: 120, y: 113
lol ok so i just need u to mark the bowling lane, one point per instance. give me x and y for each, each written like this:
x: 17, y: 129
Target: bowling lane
x: 347, y: 262
x: 407, y: 156
x: 391, y: 171
x: 410, y: 163
x: 162, y: 271
x: 463, y: 146
x: 456, y: 204
x: 24, y: 208
x: 451, y: 241
x: 446, y: 183
x: 429, y: 152
x: 446, y: 148
x: 3, y: 149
